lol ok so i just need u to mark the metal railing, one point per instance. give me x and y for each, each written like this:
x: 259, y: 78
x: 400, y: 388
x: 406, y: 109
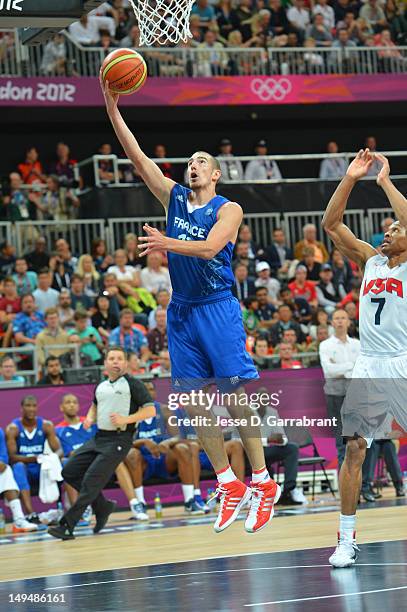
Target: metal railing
x: 79, y: 233
x: 18, y: 60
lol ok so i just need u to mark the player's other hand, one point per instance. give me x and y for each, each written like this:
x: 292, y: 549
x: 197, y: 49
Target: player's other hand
x: 385, y: 171
x: 154, y: 241
x: 360, y: 165
x: 111, y: 99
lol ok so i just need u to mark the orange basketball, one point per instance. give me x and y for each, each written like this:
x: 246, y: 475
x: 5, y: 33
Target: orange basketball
x: 125, y: 70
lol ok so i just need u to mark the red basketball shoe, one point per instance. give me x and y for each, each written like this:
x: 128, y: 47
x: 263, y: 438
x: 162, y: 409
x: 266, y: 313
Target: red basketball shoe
x: 264, y: 496
x: 233, y: 496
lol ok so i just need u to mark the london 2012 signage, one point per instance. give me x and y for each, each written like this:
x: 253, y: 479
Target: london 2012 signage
x: 11, y: 5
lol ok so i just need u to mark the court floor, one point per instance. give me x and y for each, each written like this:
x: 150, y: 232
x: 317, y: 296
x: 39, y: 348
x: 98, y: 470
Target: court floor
x: 181, y: 564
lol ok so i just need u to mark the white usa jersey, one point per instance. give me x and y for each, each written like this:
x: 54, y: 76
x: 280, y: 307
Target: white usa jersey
x: 383, y: 309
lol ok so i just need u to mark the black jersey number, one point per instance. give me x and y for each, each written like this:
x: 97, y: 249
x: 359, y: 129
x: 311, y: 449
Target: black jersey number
x: 380, y: 305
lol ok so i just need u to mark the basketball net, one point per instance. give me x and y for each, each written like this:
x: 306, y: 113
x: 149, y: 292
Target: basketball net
x: 163, y: 21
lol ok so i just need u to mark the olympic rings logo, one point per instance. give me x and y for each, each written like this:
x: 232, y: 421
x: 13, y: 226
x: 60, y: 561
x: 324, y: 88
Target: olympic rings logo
x: 271, y: 89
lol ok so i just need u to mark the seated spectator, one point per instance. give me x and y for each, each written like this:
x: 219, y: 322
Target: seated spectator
x: 241, y: 256
x: 53, y: 374
x: 352, y: 311
x: 212, y: 59
x: 26, y: 437
x: 205, y: 12
x: 155, y: 276
x: 371, y: 144
x: 44, y: 296
x: 86, y: 31
x: 342, y: 59
x: 157, y: 338
x: 352, y: 296
x: 279, y: 21
x: 61, y: 273
x: 319, y: 32
x: 140, y: 301
x: 351, y: 24
x: 261, y: 354
x: 301, y: 287
x: 100, y: 256
x: 10, y: 302
x: 342, y: 272
x: 310, y: 239
x: 65, y: 254
x: 341, y: 7
x: 166, y: 168
x: 231, y: 168
x: 285, y: 321
x: 29, y: 322
x: 162, y: 366
x: 262, y: 169
x: 332, y: 167
x: 112, y: 291
x: 8, y: 371
x: 122, y: 271
x: 128, y: 337
x: 286, y: 361
x: 265, y: 280
x: 65, y: 311
x: 135, y: 367
x: 290, y: 337
x: 249, y: 315
x: 322, y: 334
x: 38, y: 258
x: 7, y: 259
x: 106, y: 42
x: 374, y: 15
x: 52, y: 335
x: 323, y: 8
x: 397, y: 20
x: 314, y: 61
x: 19, y: 206
x: 105, y: 166
x: 25, y: 280
x: 226, y: 18
x: 63, y: 166
x: 243, y: 287
x: 265, y: 309
x: 278, y: 255
x: 327, y: 292
x: 245, y: 235
x: 319, y: 317
x: 132, y: 40
x: 104, y: 320
x: 377, y: 239
x: 132, y: 252
x: 162, y: 299
x: 299, y: 306
x: 91, y: 277
x: 10, y: 493
x: 299, y: 18
x: 54, y: 59
x: 308, y: 261
x: 88, y: 337
x: 31, y: 170
x: 57, y: 203
x: 79, y: 299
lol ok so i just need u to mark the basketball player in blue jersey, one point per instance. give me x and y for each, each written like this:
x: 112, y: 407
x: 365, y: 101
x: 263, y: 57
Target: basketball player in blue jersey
x: 26, y: 437
x: 205, y: 330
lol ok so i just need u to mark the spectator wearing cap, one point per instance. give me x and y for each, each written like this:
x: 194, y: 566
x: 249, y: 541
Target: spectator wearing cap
x: 310, y: 239
x: 285, y: 321
x: 243, y: 287
x: 7, y: 258
x: 332, y: 167
x: 265, y: 280
x: 301, y: 287
x: 327, y: 293
x: 313, y: 267
x: 265, y: 310
x: 128, y: 337
x: 231, y: 168
x: 262, y: 169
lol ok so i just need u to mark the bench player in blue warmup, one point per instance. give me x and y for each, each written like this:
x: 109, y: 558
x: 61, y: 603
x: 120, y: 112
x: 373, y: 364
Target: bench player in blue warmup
x: 205, y: 330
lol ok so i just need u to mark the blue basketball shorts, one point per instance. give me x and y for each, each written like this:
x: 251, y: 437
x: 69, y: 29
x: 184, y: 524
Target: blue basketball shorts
x: 26, y: 475
x: 204, y: 461
x: 155, y: 467
x: 207, y: 343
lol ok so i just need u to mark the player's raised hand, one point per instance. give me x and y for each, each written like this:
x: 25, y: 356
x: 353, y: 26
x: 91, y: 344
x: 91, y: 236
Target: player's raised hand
x: 111, y: 98
x: 359, y: 167
x: 154, y: 241
x: 385, y: 171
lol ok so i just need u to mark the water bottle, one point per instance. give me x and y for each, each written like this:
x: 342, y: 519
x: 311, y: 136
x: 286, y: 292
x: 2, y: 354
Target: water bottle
x: 158, y: 506
x: 2, y: 522
x: 211, y: 499
x: 405, y: 479
x: 60, y: 511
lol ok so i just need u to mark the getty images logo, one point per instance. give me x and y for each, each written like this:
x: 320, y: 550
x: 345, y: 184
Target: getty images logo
x: 11, y: 5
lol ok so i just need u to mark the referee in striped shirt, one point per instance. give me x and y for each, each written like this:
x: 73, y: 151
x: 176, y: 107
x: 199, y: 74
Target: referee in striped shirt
x: 120, y: 403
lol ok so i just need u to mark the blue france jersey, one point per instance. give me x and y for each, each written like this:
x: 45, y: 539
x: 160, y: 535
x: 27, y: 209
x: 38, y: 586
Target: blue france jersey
x: 194, y: 277
x: 72, y: 438
x: 30, y: 445
x: 151, y: 429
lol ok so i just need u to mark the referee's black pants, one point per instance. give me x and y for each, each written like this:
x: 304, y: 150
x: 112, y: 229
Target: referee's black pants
x: 90, y: 469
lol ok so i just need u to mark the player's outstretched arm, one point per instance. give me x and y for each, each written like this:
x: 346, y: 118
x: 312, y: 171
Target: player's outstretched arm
x: 225, y: 230
x: 397, y: 201
x: 332, y: 222
x: 151, y: 174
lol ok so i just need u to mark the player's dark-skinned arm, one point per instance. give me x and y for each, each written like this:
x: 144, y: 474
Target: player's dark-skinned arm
x: 151, y: 174
x: 397, y: 201
x: 224, y: 231
x: 332, y: 222
x: 52, y: 439
x: 11, y: 438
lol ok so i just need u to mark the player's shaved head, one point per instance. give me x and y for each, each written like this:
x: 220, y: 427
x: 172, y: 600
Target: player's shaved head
x: 213, y: 161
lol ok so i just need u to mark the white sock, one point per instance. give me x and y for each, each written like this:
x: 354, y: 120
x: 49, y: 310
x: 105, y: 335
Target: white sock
x: 197, y: 491
x: 225, y: 476
x: 139, y: 493
x: 261, y: 475
x: 188, y: 492
x: 347, y: 524
x: 133, y: 501
x: 16, y: 509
